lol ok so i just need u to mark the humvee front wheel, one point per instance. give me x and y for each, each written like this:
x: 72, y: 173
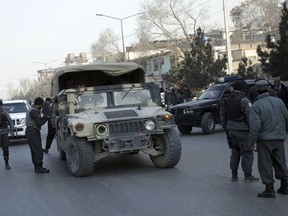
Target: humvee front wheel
x: 79, y: 154
x: 170, y: 145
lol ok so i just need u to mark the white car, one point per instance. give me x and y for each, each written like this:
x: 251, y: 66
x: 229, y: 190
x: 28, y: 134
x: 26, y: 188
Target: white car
x: 17, y: 110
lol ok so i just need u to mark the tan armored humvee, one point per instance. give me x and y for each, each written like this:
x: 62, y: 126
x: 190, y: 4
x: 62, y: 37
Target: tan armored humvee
x: 101, y: 109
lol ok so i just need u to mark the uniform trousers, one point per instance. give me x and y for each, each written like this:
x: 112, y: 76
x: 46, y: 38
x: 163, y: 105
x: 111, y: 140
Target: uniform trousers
x: 34, y: 140
x: 271, y: 154
x: 239, y: 148
x: 4, y: 144
x: 50, y: 135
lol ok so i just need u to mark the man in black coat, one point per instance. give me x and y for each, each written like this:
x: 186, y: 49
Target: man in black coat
x: 6, y: 125
x: 281, y: 91
x: 34, y: 121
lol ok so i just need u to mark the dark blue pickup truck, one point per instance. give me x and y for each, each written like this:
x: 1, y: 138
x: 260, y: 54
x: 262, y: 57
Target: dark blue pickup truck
x: 204, y: 111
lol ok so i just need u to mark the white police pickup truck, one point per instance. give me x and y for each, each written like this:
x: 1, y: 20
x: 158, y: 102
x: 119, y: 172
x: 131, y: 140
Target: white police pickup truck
x: 17, y: 111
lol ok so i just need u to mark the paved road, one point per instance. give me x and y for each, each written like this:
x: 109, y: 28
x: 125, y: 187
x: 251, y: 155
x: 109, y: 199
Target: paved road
x: 129, y: 185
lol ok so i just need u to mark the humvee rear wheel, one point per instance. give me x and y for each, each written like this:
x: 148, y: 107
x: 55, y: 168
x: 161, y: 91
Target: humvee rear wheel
x: 184, y: 129
x: 170, y: 145
x: 207, y: 123
x: 79, y: 154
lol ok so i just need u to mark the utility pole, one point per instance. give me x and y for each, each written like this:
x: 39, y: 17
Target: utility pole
x: 228, y: 43
x: 121, y: 25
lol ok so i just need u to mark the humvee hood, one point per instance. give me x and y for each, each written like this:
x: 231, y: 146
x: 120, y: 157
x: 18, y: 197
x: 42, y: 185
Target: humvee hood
x: 115, y: 114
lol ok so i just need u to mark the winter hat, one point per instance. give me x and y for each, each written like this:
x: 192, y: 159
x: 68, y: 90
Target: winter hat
x: 239, y: 85
x: 261, y: 85
x: 38, y: 101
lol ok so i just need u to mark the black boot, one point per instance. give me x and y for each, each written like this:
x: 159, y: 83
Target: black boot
x: 7, y: 166
x: 268, y: 192
x: 283, y: 187
x: 46, y: 150
x: 41, y: 170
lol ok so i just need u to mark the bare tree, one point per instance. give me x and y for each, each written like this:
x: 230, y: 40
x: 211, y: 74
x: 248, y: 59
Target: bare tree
x: 107, y: 47
x: 29, y: 89
x: 256, y: 14
x: 174, y: 21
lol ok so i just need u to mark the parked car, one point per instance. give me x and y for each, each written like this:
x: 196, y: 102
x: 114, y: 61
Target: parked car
x: 204, y: 111
x: 17, y: 110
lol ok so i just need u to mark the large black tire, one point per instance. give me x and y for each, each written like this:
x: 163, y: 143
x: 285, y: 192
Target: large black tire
x: 208, y: 123
x: 183, y: 129
x: 79, y: 155
x: 169, y: 143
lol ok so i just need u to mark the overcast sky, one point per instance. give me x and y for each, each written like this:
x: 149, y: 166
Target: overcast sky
x: 44, y: 31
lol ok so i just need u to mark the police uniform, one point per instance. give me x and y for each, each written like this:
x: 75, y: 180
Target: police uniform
x: 34, y: 121
x: 6, y: 124
x: 234, y: 116
x: 268, y: 128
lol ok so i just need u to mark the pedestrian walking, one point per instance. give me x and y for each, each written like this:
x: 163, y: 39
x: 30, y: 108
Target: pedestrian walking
x: 34, y: 121
x: 268, y: 128
x: 234, y: 115
x: 6, y: 126
x: 50, y: 125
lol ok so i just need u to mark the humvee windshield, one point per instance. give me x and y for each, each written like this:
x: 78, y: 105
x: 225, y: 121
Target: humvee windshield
x: 90, y: 99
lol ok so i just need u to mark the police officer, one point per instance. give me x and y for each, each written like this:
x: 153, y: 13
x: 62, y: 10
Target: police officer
x: 268, y: 128
x: 50, y: 124
x: 234, y: 116
x: 34, y: 121
x: 6, y: 125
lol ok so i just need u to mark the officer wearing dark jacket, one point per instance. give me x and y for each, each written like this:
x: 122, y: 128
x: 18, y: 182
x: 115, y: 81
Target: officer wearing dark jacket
x: 34, y: 121
x: 268, y: 128
x: 234, y: 116
x: 6, y: 125
x: 51, y: 126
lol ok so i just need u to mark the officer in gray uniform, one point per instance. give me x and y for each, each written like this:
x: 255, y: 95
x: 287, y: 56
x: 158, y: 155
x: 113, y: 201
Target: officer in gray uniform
x: 268, y: 128
x: 234, y: 116
x: 34, y: 121
x: 6, y: 125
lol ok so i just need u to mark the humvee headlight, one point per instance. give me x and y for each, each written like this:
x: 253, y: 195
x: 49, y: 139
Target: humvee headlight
x: 101, y: 130
x: 167, y: 117
x: 79, y: 126
x: 149, y: 125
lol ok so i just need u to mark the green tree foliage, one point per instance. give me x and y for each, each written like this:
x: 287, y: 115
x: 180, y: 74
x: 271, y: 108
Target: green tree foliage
x: 198, y: 69
x: 274, y: 58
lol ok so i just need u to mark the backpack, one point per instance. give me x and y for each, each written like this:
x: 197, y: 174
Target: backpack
x: 233, y: 105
